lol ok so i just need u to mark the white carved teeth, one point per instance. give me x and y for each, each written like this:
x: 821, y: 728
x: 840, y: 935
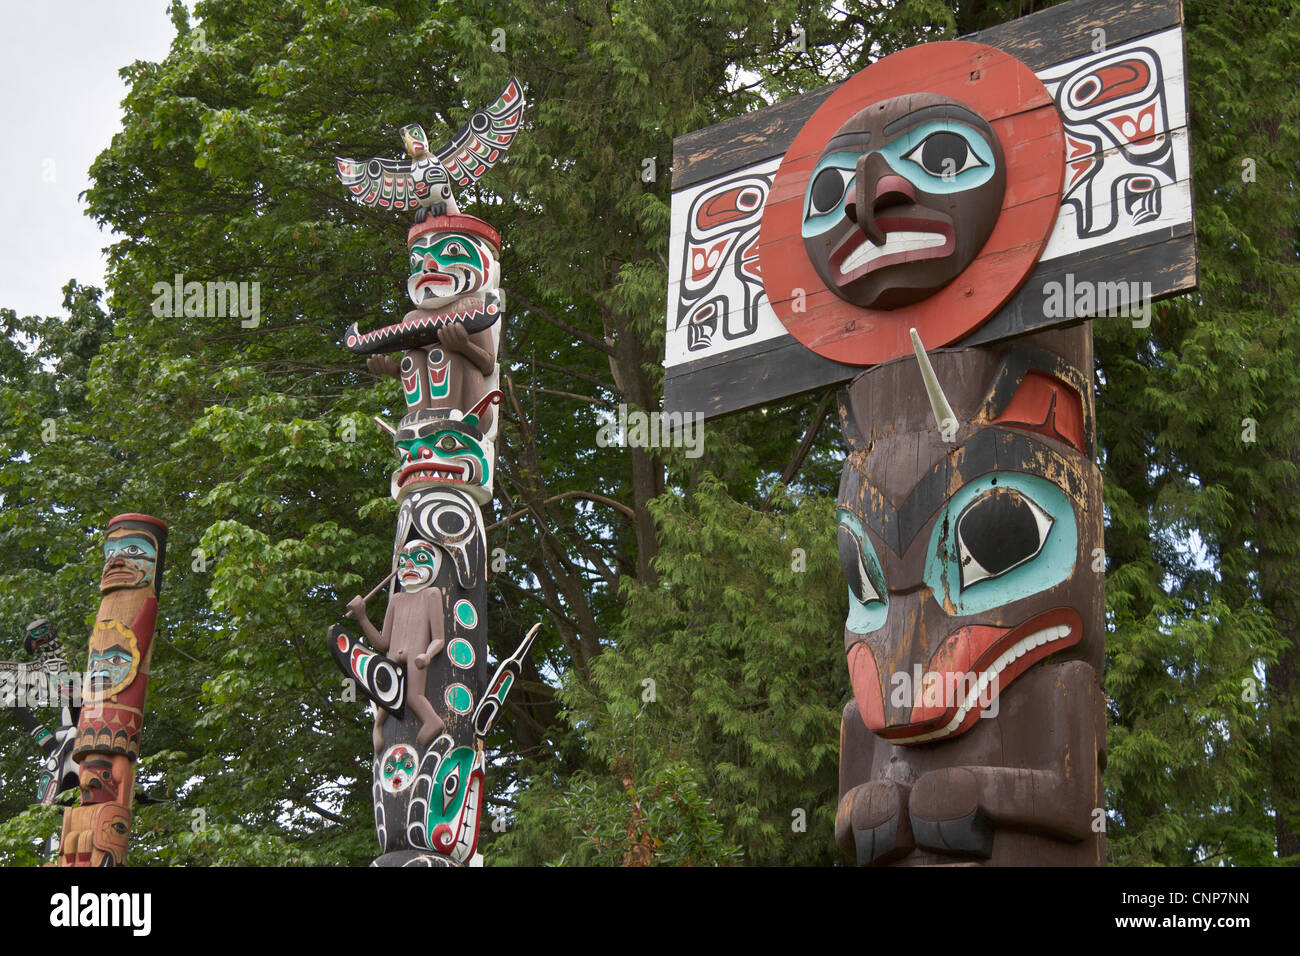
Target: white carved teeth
x: 437, y: 321
x: 1027, y: 643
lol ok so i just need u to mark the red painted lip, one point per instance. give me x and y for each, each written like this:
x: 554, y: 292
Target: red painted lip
x: 435, y: 278
x: 418, y: 471
x: 855, y: 240
x: 970, y: 650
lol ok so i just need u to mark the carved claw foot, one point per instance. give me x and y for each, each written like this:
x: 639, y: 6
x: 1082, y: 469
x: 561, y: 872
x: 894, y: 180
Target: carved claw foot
x: 946, y: 815
x: 872, y: 825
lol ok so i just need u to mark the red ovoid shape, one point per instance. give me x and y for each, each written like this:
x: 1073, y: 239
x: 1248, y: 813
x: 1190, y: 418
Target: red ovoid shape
x: 1024, y: 118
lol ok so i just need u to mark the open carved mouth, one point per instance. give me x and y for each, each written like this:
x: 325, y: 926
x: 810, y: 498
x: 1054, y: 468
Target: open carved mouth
x: 907, y: 239
x: 435, y: 279
x: 970, y: 669
x: 430, y: 470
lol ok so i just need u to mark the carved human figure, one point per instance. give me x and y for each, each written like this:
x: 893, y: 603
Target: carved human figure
x: 452, y: 334
x: 412, y: 634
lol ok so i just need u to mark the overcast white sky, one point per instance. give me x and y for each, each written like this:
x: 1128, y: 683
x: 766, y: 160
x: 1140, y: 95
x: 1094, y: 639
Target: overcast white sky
x: 60, y: 99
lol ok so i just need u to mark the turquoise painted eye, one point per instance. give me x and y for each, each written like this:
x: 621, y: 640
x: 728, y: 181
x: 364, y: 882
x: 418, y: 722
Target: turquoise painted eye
x: 868, y: 595
x: 828, y: 189
x: 999, y: 531
x: 1001, y: 538
x: 944, y: 154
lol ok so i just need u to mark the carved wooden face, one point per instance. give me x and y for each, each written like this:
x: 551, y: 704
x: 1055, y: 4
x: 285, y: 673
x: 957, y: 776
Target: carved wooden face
x: 96, y: 780
x: 448, y: 265
x: 109, y: 832
x: 397, y: 768
x: 414, y: 140
x: 453, y: 779
x: 902, y: 199
x: 449, y: 521
x: 417, y: 565
x: 442, y: 451
x: 41, y: 639
x: 130, y: 559
x: 113, y: 661
x: 967, y: 561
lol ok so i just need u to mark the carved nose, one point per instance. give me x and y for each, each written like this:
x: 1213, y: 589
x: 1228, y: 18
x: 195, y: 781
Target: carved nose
x: 876, y: 187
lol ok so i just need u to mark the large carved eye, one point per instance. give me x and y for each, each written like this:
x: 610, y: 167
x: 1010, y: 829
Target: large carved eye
x: 1000, y: 530
x: 828, y: 188
x: 944, y: 154
x: 451, y: 521
x: 450, y: 786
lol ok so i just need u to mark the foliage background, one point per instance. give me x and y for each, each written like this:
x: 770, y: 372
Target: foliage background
x: 239, y: 438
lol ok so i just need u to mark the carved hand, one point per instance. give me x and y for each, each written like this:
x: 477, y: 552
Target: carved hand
x: 454, y: 337
x: 422, y: 660
x: 357, y: 607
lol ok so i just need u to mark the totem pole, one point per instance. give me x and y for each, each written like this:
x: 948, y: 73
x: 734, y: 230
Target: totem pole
x: 46, y: 682
x: 425, y: 668
x: 107, y: 742
x: 956, y: 197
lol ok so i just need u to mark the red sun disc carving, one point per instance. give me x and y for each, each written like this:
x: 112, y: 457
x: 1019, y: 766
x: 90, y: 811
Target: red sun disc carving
x: 1016, y: 104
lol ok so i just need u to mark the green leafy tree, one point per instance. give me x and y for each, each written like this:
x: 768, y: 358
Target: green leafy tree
x: 250, y: 435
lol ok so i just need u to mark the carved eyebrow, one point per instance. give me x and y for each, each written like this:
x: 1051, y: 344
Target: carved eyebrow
x: 844, y: 140
x: 990, y: 449
x: 938, y: 113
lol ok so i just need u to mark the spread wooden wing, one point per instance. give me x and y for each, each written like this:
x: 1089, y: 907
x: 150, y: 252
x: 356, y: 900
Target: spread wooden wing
x: 484, y: 139
x: 383, y: 183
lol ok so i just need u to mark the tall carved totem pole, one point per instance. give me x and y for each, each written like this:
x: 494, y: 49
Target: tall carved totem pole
x: 424, y: 669
x: 107, y: 742
x: 984, y: 198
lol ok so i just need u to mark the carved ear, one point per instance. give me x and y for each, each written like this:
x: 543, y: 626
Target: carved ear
x: 1044, y: 404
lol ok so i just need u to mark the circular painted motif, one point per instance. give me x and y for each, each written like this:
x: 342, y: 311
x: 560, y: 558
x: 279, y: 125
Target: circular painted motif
x: 466, y: 614
x: 920, y: 194
x: 461, y: 652
x: 459, y: 698
x: 397, y: 768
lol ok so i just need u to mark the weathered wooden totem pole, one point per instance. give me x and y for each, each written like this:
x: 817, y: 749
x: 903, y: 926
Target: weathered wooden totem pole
x: 425, y: 668
x: 45, y: 682
x: 107, y: 741
x: 986, y: 199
